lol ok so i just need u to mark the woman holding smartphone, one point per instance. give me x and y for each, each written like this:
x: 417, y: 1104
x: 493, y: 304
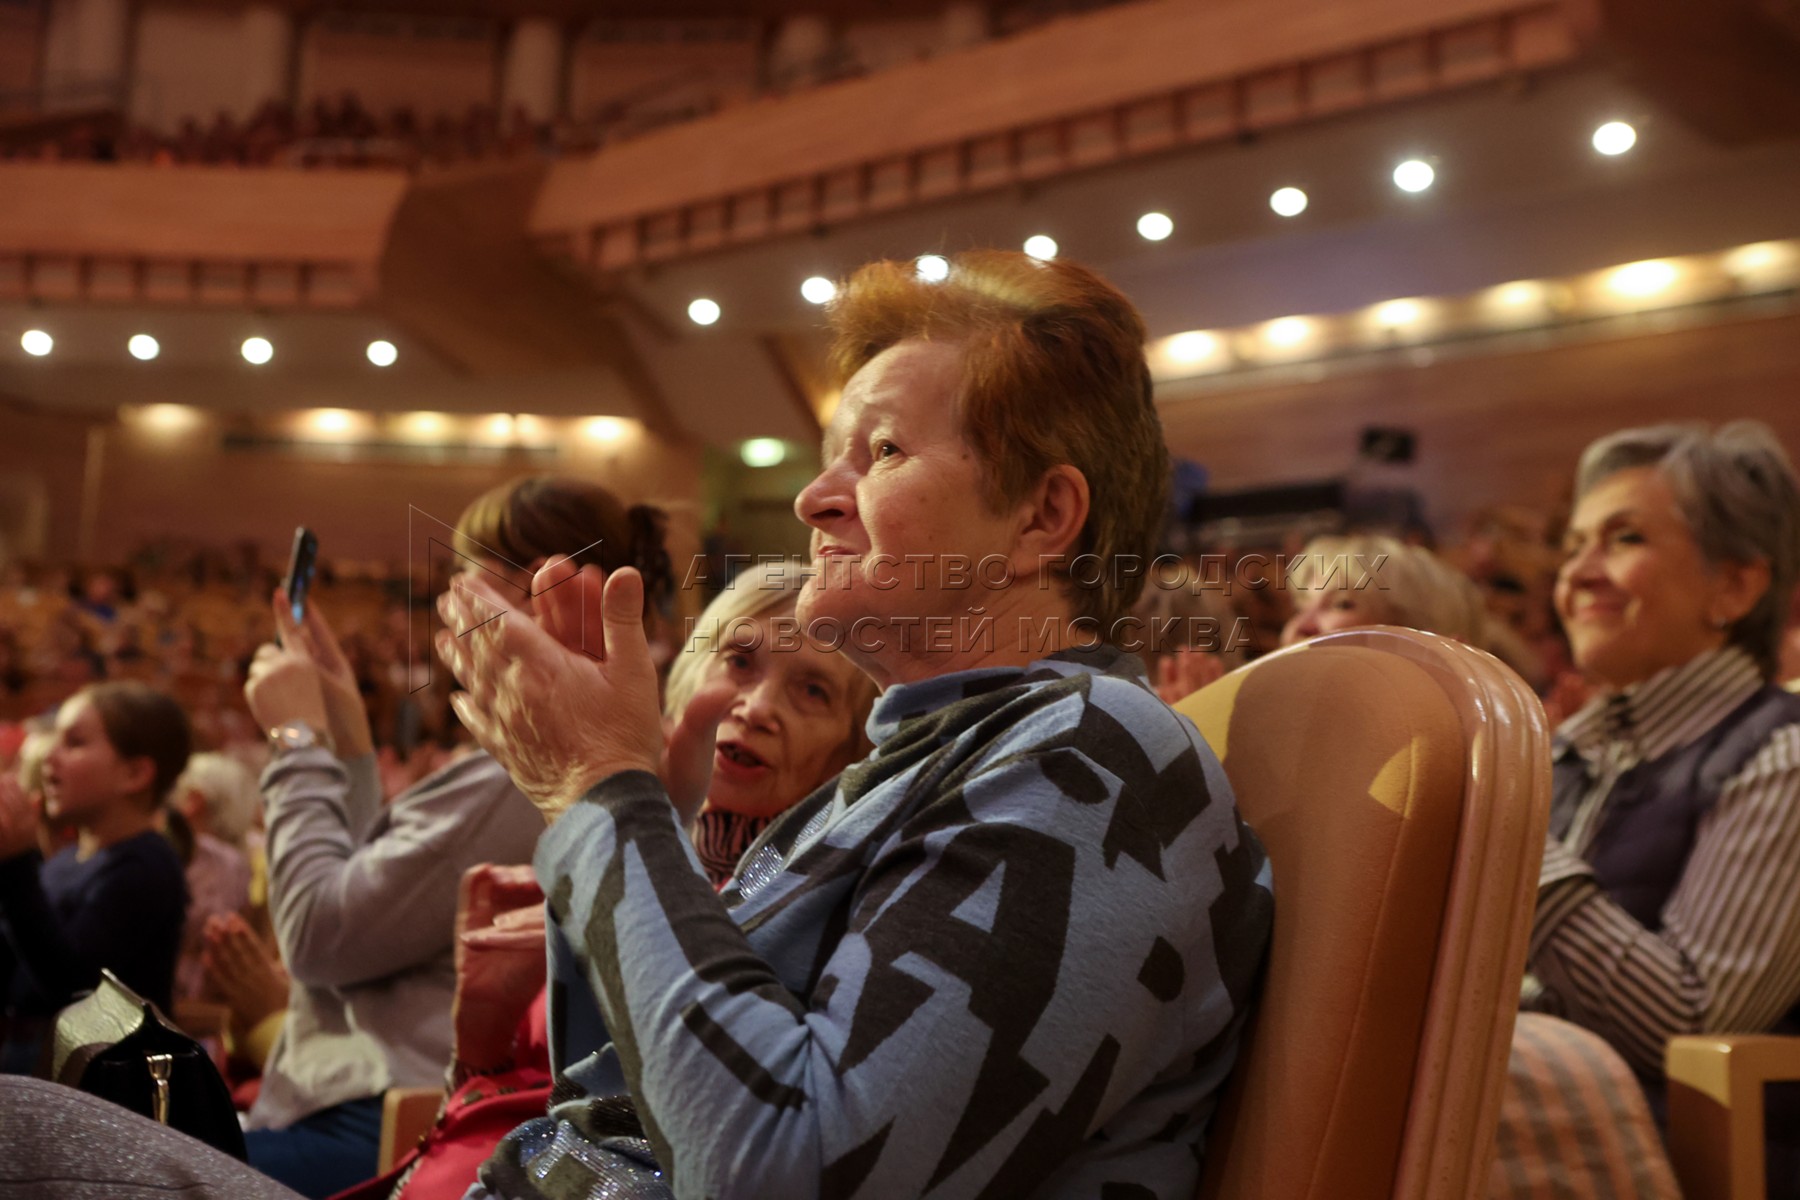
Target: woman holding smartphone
x: 362, y: 896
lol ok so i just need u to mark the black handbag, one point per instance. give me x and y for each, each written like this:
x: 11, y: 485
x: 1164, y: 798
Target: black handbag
x: 117, y: 1045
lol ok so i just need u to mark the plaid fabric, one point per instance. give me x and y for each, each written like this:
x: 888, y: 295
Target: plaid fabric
x: 1574, y: 1123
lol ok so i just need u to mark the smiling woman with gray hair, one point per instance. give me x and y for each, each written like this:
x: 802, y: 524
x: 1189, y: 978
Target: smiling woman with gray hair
x: 1666, y: 904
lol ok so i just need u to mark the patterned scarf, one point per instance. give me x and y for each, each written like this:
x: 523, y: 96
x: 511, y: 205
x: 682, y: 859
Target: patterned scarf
x: 721, y: 838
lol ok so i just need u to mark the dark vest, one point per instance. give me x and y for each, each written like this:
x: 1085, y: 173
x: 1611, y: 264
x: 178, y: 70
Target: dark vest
x: 1648, y: 830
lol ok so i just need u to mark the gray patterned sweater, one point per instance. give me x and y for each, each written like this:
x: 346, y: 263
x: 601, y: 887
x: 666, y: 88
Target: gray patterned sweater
x: 1009, y: 954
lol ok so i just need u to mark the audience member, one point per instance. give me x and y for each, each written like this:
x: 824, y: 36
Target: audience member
x: 1347, y: 582
x: 1666, y: 903
x: 113, y: 900
x: 1190, y: 630
x: 797, y: 720
x: 246, y: 975
x: 216, y: 799
x: 794, y: 716
x: 1047, y: 848
x: 363, y: 897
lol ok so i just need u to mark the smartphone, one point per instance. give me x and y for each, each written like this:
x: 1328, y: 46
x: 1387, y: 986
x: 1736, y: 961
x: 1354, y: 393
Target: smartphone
x: 300, y: 571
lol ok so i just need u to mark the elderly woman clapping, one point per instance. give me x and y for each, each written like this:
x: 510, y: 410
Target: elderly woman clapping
x: 1005, y: 953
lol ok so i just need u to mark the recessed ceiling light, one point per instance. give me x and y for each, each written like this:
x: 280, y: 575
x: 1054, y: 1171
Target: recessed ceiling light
x: 703, y: 311
x: 1192, y: 346
x: 603, y: 429
x: 423, y: 426
x: 168, y: 418
x: 932, y: 268
x: 1757, y: 256
x: 1614, y: 138
x: 1414, y: 175
x: 382, y: 353
x: 1287, y: 331
x: 1520, y: 293
x: 257, y: 350
x: 36, y: 342
x: 1155, y: 226
x: 818, y: 290
x: 1397, y: 314
x: 330, y: 420
x: 1041, y: 246
x: 143, y: 347
x: 1288, y: 201
x: 1641, y: 279
x: 1763, y: 265
x: 763, y: 452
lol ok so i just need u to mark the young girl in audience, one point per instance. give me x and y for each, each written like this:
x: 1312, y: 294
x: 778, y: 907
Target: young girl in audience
x: 115, y: 899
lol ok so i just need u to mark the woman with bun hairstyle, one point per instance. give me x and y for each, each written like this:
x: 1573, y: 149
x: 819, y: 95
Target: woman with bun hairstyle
x: 363, y: 896
x: 115, y: 899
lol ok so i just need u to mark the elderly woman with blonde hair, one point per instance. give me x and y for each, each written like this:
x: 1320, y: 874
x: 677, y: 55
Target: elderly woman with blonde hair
x: 1348, y: 581
x: 770, y: 751
x: 1369, y: 579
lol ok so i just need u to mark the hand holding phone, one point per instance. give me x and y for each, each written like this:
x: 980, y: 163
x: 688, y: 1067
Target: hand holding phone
x: 300, y: 572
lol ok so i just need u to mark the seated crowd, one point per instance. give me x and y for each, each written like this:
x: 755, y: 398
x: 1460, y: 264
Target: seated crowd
x: 344, y: 134
x: 937, y: 896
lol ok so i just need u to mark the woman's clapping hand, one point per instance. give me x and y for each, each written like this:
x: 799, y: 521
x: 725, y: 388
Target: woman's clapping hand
x: 558, y: 719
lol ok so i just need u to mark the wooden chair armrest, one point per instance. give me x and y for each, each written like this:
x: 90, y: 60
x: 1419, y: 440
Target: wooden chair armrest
x: 407, y: 1115
x: 1716, y: 1110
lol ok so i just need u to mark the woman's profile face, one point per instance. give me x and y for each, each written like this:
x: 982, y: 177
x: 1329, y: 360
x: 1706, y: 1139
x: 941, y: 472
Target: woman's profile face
x: 897, y: 503
x: 1635, y: 594
x: 1332, y: 607
x: 789, y: 726
x: 83, y: 774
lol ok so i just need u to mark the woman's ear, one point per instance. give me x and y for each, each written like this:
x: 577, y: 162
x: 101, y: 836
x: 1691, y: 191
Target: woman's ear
x: 1738, y: 588
x: 1054, y: 514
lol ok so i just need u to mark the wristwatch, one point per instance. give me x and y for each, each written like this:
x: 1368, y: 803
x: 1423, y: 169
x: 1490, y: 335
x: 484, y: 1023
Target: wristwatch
x: 296, y: 735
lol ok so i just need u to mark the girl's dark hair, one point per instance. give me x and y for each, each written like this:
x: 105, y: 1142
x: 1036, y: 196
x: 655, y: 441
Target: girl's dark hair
x: 180, y: 833
x: 142, y: 722
x: 545, y: 515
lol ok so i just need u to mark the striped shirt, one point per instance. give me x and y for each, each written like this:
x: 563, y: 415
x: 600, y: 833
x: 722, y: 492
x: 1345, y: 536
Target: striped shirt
x: 1727, y: 958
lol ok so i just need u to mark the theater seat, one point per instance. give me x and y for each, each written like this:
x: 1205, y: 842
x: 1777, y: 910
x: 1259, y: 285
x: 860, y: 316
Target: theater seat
x: 1716, y: 1126
x: 1401, y: 784
x: 407, y: 1115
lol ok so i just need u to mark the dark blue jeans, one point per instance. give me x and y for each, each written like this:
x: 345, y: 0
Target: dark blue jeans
x: 323, y: 1154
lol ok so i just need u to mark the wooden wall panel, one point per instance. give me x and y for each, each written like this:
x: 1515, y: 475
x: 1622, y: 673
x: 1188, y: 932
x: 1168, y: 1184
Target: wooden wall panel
x: 21, y: 38
x: 195, y: 488
x: 656, y: 76
x: 187, y: 62
x: 42, y: 453
x: 187, y: 484
x: 401, y: 68
x: 1497, y: 429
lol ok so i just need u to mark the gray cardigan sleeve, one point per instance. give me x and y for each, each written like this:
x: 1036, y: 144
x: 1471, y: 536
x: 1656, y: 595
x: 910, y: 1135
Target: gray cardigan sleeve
x: 352, y: 906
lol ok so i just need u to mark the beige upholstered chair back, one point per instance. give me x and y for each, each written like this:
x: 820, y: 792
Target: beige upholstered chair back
x: 1400, y: 782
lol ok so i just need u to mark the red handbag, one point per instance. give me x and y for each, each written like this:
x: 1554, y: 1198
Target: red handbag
x: 476, y: 1117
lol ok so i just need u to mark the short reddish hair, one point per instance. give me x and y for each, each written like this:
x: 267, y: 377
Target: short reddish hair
x: 1053, y: 373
